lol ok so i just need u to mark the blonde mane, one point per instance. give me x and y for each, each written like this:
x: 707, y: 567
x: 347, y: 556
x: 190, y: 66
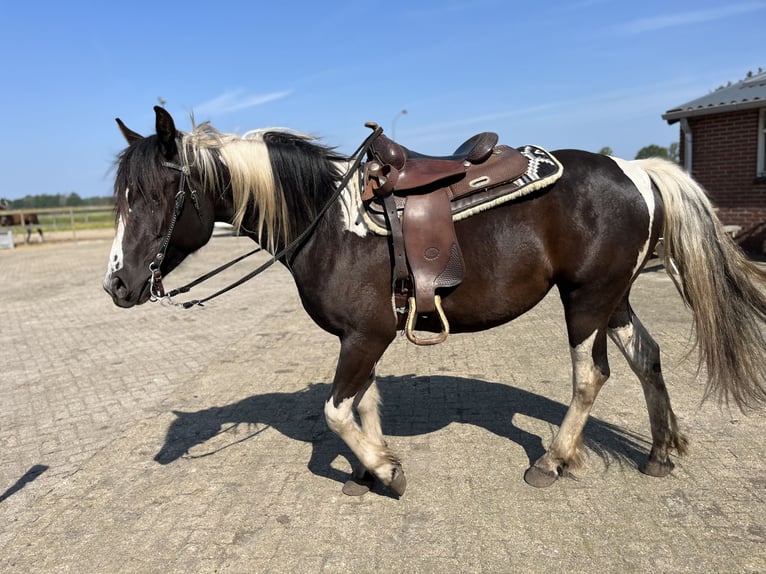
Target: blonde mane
x: 252, y: 181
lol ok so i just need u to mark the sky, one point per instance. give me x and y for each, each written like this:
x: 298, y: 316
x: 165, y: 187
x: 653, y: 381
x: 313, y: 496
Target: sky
x: 583, y: 74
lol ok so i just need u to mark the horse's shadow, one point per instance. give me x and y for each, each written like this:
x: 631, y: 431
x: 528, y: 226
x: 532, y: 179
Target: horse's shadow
x: 412, y: 406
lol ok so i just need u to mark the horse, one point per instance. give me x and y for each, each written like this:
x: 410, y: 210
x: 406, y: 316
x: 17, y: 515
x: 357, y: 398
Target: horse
x: 26, y: 219
x: 589, y: 234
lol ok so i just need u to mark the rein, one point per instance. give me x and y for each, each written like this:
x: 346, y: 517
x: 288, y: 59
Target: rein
x: 156, y: 288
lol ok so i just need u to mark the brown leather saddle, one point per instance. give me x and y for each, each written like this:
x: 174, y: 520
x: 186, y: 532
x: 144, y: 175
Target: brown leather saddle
x: 419, y: 194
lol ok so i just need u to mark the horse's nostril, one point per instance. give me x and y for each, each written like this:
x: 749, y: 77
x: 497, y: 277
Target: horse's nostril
x: 117, y: 288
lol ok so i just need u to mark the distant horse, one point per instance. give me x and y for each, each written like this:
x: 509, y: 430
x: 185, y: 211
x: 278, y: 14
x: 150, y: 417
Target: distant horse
x: 26, y: 219
x: 589, y: 234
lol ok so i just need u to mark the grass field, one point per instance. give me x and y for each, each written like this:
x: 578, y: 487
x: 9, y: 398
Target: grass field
x: 67, y: 219
x: 77, y: 220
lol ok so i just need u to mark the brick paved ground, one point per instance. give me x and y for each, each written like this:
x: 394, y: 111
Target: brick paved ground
x: 165, y: 440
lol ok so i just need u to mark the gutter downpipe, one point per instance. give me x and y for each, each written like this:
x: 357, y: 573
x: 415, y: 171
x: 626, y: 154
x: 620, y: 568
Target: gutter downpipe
x: 687, y: 145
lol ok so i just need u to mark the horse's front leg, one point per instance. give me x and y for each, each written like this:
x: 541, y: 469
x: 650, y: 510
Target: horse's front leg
x: 590, y: 372
x: 367, y: 404
x: 354, y: 386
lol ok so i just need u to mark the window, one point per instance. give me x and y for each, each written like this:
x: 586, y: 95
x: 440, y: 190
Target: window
x: 761, y: 173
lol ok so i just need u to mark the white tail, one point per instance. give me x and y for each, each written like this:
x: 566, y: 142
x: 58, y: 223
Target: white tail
x: 724, y: 289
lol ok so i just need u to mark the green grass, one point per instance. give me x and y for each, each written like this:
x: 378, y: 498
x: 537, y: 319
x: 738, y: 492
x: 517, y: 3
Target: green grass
x: 87, y: 220
x: 79, y: 220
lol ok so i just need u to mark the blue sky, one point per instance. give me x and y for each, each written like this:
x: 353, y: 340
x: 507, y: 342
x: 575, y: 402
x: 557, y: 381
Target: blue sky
x: 584, y: 74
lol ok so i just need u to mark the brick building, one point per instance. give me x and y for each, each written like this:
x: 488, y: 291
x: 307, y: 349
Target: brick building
x: 723, y: 145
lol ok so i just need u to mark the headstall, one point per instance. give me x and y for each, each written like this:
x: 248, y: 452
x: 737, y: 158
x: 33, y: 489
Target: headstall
x: 157, y: 290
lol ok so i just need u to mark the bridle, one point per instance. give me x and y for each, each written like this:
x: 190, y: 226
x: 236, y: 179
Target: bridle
x: 156, y: 289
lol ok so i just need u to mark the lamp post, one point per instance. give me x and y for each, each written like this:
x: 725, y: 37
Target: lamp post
x: 393, y: 123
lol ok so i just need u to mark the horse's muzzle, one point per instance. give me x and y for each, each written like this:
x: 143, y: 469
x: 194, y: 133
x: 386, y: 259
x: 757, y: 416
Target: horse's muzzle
x: 122, y: 295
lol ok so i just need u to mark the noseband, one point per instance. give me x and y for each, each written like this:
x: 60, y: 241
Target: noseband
x: 156, y: 290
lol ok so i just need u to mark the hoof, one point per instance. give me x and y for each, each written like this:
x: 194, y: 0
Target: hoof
x: 399, y: 483
x: 360, y: 483
x: 539, y: 478
x: 656, y: 468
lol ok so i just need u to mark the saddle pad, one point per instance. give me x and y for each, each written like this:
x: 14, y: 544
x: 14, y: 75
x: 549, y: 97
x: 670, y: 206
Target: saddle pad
x: 543, y: 170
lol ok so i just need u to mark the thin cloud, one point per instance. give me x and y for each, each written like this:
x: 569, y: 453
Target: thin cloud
x: 686, y: 18
x: 435, y: 131
x: 616, y: 107
x: 236, y: 100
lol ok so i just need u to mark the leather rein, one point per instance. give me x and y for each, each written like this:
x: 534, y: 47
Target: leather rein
x: 156, y: 288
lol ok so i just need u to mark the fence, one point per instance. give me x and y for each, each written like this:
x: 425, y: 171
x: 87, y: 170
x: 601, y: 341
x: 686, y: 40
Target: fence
x: 60, y: 223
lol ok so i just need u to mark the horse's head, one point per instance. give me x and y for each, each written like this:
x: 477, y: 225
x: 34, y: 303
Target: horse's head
x: 162, y: 214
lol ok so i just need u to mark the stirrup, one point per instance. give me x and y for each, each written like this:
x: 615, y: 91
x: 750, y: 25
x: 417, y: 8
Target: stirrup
x: 412, y: 319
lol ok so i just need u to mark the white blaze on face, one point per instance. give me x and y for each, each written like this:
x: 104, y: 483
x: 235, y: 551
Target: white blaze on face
x: 643, y: 183
x: 116, y: 254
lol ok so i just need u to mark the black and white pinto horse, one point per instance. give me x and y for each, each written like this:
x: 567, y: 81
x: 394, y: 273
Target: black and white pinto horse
x: 589, y: 234
x: 28, y: 220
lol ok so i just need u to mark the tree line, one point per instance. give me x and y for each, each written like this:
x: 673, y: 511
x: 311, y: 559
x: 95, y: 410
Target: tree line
x: 59, y: 200
x: 653, y: 150
x: 74, y: 200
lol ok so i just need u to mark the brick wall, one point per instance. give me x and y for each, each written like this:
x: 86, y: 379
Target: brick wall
x: 725, y: 148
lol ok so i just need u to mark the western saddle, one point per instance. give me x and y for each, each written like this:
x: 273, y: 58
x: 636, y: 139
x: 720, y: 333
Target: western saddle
x: 426, y: 253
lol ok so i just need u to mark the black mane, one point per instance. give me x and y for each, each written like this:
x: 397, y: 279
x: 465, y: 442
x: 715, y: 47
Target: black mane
x: 307, y: 173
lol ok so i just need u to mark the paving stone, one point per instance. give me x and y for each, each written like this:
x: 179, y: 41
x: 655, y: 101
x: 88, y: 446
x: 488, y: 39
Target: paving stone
x: 167, y: 440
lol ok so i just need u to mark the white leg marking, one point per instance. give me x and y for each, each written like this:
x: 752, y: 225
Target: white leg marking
x: 624, y: 338
x: 116, y: 254
x: 340, y: 418
x: 369, y: 414
x: 639, y: 348
x: 583, y: 368
x: 586, y: 383
x: 643, y: 183
x: 373, y: 455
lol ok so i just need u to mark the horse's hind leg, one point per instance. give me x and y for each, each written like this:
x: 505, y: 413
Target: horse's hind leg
x: 354, y: 386
x: 590, y: 370
x: 643, y: 355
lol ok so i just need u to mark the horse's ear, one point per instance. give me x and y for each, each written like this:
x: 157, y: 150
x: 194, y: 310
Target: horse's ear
x: 166, y: 132
x: 128, y: 133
